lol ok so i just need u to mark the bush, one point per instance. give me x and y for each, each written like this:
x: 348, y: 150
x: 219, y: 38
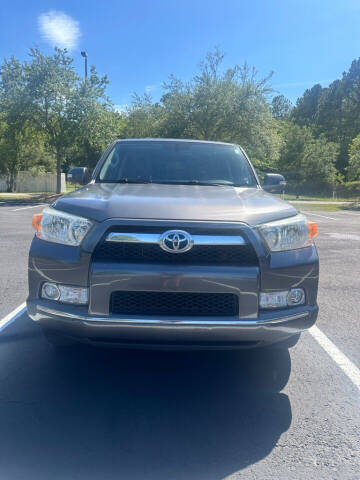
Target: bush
x: 308, y: 188
x: 342, y: 190
x: 348, y: 190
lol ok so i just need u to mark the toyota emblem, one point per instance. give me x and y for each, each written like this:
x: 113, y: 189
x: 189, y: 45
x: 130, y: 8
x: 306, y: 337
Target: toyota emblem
x: 176, y: 241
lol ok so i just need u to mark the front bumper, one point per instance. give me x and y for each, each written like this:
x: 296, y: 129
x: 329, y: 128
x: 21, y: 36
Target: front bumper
x: 95, y: 323
x: 172, y: 332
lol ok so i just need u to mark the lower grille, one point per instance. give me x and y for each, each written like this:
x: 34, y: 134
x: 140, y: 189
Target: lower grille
x: 174, y: 304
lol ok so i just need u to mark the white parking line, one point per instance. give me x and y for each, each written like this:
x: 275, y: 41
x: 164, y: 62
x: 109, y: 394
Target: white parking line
x: 343, y: 236
x: 25, y: 208
x: 346, y: 365
x: 4, y: 322
x: 318, y: 215
x: 355, y: 213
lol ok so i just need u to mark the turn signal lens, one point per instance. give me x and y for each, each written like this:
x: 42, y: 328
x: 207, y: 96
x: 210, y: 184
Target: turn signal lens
x: 36, y: 222
x: 313, y: 229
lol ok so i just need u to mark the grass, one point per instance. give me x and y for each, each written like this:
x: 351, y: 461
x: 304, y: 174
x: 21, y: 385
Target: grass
x: 8, y: 197
x: 309, y: 198
x: 28, y: 197
x: 314, y: 207
x: 70, y: 187
x: 34, y: 197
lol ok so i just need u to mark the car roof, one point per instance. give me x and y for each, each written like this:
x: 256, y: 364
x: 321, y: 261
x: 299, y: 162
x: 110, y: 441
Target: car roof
x: 172, y: 140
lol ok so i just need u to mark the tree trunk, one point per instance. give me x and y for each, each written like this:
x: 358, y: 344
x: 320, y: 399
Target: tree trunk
x: 11, y: 182
x: 13, y: 171
x: 58, y: 171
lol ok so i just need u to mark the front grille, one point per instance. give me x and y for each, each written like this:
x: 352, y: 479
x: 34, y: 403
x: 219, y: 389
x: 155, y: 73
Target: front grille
x: 174, y: 303
x: 243, y: 255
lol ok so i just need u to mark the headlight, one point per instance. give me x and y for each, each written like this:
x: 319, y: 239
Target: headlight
x: 288, y: 234
x: 60, y: 227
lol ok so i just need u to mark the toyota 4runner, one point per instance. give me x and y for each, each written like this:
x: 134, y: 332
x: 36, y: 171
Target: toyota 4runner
x: 173, y: 244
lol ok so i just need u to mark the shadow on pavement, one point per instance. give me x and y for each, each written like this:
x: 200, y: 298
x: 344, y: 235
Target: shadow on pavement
x: 106, y: 414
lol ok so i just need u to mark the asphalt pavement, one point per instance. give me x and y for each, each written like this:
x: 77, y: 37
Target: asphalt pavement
x: 118, y: 414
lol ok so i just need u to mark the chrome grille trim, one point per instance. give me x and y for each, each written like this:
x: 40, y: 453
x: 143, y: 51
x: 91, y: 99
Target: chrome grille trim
x: 155, y: 238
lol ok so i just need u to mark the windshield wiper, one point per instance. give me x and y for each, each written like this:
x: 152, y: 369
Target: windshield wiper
x: 193, y: 182
x: 174, y: 182
x: 132, y: 180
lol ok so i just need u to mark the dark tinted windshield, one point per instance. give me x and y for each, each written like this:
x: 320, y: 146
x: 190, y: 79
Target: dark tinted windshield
x: 176, y: 162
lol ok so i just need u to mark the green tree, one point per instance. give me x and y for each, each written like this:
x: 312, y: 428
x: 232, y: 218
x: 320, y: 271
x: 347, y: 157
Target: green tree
x: 307, y: 162
x: 280, y: 107
x: 225, y: 105
x: 217, y: 104
x: 15, y: 131
x: 333, y: 111
x: 144, y: 118
x: 353, y: 169
x: 97, y: 123
x: 339, y: 111
x: 52, y: 86
x: 306, y: 108
x: 96, y: 130
x: 62, y: 104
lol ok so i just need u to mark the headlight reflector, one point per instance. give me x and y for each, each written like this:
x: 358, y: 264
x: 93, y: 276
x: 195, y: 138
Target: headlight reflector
x: 288, y: 234
x: 61, y: 227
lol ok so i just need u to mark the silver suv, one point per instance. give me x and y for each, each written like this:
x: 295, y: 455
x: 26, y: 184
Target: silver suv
x: 173, y: 244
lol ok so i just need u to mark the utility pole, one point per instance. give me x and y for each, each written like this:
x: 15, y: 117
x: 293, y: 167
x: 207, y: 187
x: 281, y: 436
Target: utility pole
x: 85, y: 55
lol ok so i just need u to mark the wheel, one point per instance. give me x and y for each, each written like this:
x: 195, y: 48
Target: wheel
x: 58, y: 341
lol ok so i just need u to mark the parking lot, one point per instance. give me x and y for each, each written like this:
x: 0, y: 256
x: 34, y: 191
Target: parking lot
x: 106, y: 414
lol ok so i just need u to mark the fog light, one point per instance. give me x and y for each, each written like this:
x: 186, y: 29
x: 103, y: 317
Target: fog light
x: 50, y: 291
x: 296, y: 296
x: 65, y: 293
x: 283, y: 299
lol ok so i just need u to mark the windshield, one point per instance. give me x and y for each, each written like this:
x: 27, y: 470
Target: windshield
x: 177, y: 162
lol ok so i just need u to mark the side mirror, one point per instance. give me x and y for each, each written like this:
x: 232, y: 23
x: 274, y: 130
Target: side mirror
x: 274, y: 183
x: 79, y: 175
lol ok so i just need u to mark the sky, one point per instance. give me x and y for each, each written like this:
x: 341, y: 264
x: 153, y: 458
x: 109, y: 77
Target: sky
x: 138, y: 43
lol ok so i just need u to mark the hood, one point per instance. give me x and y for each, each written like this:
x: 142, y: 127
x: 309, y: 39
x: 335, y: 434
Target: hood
x: 101, y: 201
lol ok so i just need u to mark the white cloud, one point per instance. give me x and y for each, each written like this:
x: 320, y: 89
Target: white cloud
x: 59, y: 29
x: 151, y: 88
x: 121, y: 108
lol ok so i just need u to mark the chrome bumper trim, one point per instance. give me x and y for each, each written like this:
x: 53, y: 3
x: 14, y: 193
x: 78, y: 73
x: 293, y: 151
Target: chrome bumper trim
x: 149, y: 321
x: 155, y: 238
